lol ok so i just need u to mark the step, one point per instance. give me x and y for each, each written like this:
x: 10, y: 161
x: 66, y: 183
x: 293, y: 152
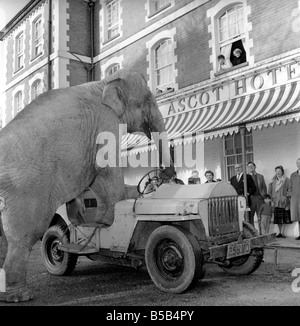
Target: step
x: 77, y: 249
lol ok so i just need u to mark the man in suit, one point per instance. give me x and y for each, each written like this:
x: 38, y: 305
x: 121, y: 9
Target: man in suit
x: 237, y: 182
x: 261, y: 190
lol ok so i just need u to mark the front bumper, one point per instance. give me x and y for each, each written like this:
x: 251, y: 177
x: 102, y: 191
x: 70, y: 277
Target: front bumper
x: 220, y: 251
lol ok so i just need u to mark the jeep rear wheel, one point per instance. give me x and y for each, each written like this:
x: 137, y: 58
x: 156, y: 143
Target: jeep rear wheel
x: 57, y: 262
x: 245, y: 265
x: 173, y: 258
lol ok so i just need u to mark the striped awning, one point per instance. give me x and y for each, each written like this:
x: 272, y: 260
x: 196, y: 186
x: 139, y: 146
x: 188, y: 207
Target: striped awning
x: 269, y: 106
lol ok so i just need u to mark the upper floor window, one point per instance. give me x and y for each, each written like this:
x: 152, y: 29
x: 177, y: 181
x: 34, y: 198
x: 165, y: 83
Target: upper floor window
x: 112, y: 69
x: 112, y: 19
x: 18, y: 102
x: 231, y: 36
x: 163, y: 65
x: 36, y: 89
x: 37, y: 37
x: 19, y: 51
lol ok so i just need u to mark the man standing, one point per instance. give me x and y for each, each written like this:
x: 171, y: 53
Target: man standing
x: 257, y: 199
x: 237, y: 182
x: 294, y: 192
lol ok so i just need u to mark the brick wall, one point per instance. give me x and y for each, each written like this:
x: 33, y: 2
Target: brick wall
x: 272, y: 27
x: 79, y: 27
x: 79, y: 73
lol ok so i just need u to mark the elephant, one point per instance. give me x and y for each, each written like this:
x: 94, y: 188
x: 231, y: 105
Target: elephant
x: 48, y: 157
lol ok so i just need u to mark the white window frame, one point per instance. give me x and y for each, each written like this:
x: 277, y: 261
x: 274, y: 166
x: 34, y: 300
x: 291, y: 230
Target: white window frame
x: 37, y: 40
x: 19, y: 51
x: 36, y: 91
x: 39, y: 76
x: 104, y: 23
x: 214, y: 14
x: 162, y: 6
x: 152, y: 46
x: 18, y: 102
x: 110, y: 63
x: 112, y: 69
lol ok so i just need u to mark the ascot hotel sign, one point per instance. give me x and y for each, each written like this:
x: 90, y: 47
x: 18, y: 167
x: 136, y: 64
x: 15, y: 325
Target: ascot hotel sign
x: 249, y: 83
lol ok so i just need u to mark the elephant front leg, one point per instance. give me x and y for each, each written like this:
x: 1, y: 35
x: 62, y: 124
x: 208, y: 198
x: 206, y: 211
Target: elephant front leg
x: 13, y: 274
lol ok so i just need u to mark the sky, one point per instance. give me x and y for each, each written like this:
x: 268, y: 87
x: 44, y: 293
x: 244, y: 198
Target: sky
x: 8, y: 9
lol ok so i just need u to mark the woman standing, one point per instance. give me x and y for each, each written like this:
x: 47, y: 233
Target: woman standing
x: 278, y: 189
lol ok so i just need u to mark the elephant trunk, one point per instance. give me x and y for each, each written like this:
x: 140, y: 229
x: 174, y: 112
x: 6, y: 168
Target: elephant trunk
x: 160, y: 137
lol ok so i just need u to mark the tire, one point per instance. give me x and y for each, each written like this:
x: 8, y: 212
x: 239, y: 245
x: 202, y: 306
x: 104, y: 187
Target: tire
x: 173, y: 258
x: 245, y: 265
x: 57, y: 262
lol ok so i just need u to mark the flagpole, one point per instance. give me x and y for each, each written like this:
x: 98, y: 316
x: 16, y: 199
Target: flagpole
x: 243, y: 131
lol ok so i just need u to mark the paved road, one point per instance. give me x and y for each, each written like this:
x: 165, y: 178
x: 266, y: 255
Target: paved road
x: 96, y: 284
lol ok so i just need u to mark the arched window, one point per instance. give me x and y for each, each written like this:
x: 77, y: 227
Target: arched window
x: 18, y: 102
x: 112, y: 69
x: 231, y: 34
x: 163, y: 64
x: 36, y: 89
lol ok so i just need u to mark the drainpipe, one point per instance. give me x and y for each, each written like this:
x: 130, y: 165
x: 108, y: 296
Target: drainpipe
x: 92, y: 7
x: 50, y: 46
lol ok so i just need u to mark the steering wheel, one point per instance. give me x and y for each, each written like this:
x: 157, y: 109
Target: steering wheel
x: 155, y: 172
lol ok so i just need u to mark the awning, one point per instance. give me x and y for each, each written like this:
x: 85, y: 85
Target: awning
x: 275, y: 105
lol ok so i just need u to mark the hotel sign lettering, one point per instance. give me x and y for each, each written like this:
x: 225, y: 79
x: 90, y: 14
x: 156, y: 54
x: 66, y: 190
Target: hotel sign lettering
x: 244, y: 85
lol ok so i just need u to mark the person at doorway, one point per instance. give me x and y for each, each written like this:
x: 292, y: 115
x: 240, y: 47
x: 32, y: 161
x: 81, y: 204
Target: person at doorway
x: 265, y: 215
x: 278, y: 189
x: 294, y: 193
x: 223, y: 63
x: 194, y: 178
x: 238, y: 57
x: 257, y: 199
x: 237, y: 181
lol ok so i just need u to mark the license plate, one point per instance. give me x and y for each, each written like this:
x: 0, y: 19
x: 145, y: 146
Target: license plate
x: 236, y: 249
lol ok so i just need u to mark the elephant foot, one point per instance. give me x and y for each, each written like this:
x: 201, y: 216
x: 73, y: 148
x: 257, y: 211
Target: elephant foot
x: 14, y: 296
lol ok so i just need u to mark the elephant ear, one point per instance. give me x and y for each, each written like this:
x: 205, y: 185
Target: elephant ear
x: 114, y: 96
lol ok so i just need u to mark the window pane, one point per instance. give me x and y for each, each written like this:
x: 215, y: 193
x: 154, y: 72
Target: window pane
x: 231, y: 23
x: 113, y: 18
x: 163, y: 63
x: 233, y: 151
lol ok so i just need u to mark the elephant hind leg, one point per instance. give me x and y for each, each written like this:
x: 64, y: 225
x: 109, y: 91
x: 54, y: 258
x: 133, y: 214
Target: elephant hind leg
x: 15, y: 266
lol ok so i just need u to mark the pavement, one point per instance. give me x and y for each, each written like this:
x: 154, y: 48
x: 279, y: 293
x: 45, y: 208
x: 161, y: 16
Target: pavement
x: 284, y: 253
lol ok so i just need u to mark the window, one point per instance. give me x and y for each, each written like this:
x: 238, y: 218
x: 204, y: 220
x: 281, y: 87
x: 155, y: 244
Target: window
x: 112, y: 69
x: 18, y: 102
x: 232, y: 35
x: 112, y: 18
x: 36, y: 89
x: 233, y: 151
x: 37, y: 37
x: 19, y: 51
x: 158, y: 5
x: 163, y: 65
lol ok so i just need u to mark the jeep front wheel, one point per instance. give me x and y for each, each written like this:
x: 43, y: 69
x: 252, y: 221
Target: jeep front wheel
x: 57, y: 262
x: 173, y: 258
x: 245, y: 265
